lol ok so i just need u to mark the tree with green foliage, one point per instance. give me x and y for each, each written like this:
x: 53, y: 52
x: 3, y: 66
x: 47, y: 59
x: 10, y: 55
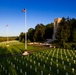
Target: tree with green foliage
x: 39, y: 32
x: 22, y: 37
x: 74, y: 35
x: 48, y: 31
x: 63, y: 32
x: 72, y: 29
x: 30, y: 34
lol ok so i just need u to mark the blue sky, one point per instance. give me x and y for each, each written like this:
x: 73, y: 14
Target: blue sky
x: 37, y: 11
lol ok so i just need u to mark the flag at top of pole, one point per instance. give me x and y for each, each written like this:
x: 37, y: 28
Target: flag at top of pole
x: 24, y: 10
x: 6, y: 25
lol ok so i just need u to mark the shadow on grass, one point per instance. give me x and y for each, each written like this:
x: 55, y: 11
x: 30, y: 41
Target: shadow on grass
x: 19, y: 48
x: 4, y: 52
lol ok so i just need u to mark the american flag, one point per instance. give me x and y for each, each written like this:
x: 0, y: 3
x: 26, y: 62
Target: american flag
x: 23, y: 10
x: 6, y: 25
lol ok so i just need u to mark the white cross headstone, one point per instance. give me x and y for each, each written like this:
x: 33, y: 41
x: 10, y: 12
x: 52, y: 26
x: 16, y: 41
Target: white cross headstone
x: 47, y: 58
x: 28, y: 55
x: 67, y: 60
x: 30, y: 66
x: 41, y: 60
x: 70, y: 64
x: 17, y: 67
x: 57, y: 65
x: 3, y: 68
x: 56, y: 60
x: 27, y: 59
x: 66, y: 56
x: 57, y: 56
x: 22, y: 57
x: 64, y: 67
x: 25, y: 73
x: 57, y: 71
x: 7, y: 60
x: 38, y: 64
x: 35, y: 69
x: 23, y: 63
x: 14, y: 65
x: 43, y: 57
x: 66, y: 73
x: 30, y: 60
x: 44, y: 65
x: 26, y: 64
x: 20, y: 61
x: 51, y: 63
x: 34, y: 62
x: 62, y: 58
x: 20, y: 70
x: 51, y: 59
x: 17, y: 59
x: 73, y: 70
x: 74, y: 61
x: 72, y: 58
x: 11, y: 63
x: 6, y: 71
x: 50, y: 68
x: 41, y: 72
x: 75, y: 56
x: 45, y: 61
x: 63, y: 62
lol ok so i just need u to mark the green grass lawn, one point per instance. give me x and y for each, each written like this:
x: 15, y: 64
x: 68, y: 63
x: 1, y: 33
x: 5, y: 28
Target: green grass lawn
x: 17, y: 47
x: 42, y: 61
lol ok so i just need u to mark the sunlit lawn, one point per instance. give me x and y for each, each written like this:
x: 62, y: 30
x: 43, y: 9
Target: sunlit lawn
x: 42, y: 61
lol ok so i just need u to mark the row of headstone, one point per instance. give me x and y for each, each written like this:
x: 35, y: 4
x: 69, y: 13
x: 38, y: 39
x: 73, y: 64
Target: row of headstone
x: 44, y: 67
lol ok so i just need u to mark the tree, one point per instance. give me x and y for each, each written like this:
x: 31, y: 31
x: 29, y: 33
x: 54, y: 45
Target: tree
x: 72, y: 29
x: 22, y: 37
x: 48, y: 31
x: 74, y: 35
x: 63, y: 32
x: 30, y: 34
x: 39, y: 32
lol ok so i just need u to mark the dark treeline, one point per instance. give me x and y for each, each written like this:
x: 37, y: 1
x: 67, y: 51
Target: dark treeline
x: 39, y: 34
x: 66, y: 33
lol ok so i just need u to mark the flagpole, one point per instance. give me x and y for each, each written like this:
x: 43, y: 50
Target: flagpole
x: 7, y: 35
x: 25, y: 31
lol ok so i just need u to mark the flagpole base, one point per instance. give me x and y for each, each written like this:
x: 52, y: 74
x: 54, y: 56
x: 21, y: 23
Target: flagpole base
x: 26, y: 52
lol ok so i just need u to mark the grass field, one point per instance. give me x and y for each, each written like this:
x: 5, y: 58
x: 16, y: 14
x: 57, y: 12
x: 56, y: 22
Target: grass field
x: 42, y: 61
